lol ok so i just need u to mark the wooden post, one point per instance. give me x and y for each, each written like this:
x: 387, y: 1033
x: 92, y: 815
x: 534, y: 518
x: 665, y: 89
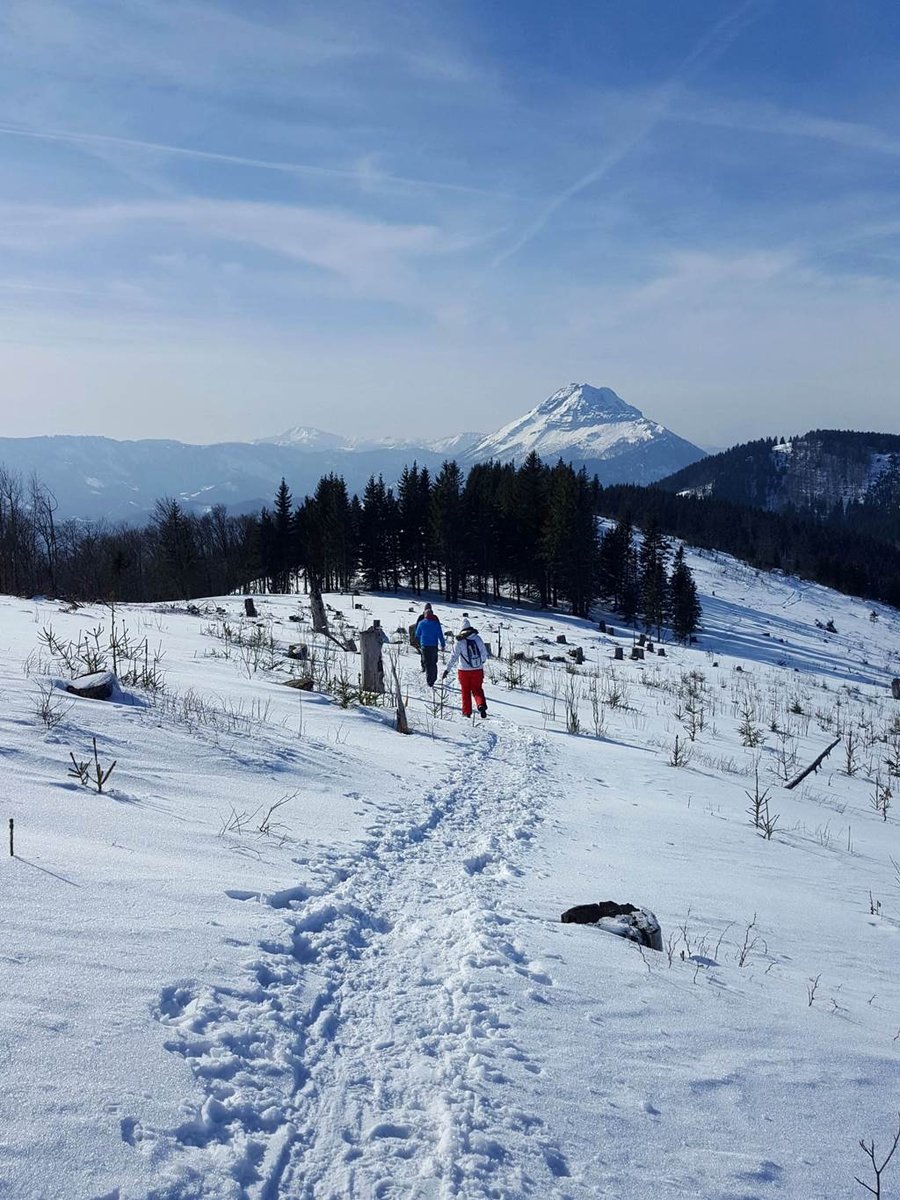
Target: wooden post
x: 12, y: 853
x: 249, y: 607
x: 402, y: 722
x: 370, y: 643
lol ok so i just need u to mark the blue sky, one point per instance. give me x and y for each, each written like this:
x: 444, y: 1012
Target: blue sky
x: 221, y: 219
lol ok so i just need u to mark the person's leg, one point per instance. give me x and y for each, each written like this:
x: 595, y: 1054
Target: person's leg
x: 429, y: 653
x: 465, y: 687
x: 477, y: 686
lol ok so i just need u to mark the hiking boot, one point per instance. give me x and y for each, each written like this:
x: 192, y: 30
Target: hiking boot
x: 482, y: 710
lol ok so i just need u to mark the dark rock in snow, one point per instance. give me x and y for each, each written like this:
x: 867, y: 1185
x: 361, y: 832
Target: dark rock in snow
x: 623, y: 920
x: 304, y: 683
x: 561, y: 639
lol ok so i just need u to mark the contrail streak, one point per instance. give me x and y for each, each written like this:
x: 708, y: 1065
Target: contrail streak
x: 238, y: 160
x: 710, y: 47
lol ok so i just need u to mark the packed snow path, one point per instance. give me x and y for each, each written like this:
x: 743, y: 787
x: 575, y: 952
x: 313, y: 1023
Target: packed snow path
x: 360, y: 1058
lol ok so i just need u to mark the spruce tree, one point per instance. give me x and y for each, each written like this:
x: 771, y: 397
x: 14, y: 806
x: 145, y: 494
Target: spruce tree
x: 447, y: 528
x: 653, y: 579
x: 685, y: 611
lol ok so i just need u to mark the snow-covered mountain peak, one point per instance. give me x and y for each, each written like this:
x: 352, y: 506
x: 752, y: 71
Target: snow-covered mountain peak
x: 579, y: 404
x: 593, y: 426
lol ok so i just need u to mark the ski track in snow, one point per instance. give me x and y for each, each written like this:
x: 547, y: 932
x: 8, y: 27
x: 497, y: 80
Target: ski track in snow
x: 360, y: 1057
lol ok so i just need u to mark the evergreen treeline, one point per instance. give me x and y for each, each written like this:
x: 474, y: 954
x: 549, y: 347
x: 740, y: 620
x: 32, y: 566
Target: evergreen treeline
x: 500, y: 530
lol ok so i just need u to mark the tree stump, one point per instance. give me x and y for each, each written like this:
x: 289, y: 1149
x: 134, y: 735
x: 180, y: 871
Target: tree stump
x: 618, y: 654
x: 371, y: 640
x: 102, y: 685
x: 561, y: 639
x: 895, y: 688
x: 249, y: 607
x: 637, y: 653
x: 316, y: 604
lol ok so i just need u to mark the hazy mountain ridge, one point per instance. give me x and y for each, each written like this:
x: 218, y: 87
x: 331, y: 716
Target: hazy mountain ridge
x: 99, y: 477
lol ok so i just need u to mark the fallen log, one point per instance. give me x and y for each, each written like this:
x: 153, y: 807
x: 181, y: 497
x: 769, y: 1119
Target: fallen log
x: 813, y: 766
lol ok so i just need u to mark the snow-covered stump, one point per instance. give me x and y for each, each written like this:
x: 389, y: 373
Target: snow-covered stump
x: 102, y: 685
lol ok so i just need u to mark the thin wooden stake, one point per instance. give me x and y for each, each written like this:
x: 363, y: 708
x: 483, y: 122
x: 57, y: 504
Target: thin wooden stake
x: 12, y: 853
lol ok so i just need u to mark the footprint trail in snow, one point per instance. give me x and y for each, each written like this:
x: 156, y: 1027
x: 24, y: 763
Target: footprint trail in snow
x: 371, y: 1051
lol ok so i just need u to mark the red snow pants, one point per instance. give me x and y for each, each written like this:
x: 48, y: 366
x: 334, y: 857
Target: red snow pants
x: 471, y: 684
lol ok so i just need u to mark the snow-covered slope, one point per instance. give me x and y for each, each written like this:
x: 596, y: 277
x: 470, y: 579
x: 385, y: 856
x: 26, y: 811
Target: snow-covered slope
x: 366, y: 990
x: 593, y: 426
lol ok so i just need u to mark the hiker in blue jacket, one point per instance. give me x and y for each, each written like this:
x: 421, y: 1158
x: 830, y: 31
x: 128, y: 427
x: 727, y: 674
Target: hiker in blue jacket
x: 429, y: 635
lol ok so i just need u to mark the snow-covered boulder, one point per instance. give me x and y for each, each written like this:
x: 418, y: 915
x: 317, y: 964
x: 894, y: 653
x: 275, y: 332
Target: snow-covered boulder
x: 624, y: 920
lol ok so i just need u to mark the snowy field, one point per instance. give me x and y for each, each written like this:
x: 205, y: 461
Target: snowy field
x: 366, y: 991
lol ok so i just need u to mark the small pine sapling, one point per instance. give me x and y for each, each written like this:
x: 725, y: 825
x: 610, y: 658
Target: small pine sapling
x: 91, y: 774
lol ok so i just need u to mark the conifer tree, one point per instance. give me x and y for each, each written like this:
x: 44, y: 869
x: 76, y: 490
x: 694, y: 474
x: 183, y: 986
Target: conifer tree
x: 653, y: 579
x: 283, y: 541
x: 447, y: 528
x: 685, y: 611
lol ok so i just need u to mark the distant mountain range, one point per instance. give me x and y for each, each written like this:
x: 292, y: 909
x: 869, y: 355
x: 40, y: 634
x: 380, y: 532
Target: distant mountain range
x: 100, y: 478
x: 831, y: 474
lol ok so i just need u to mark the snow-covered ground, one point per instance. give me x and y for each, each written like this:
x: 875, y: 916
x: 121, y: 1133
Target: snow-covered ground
x: 369, y: 993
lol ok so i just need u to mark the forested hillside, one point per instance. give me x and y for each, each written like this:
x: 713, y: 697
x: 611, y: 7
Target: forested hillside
x: 845, y: 478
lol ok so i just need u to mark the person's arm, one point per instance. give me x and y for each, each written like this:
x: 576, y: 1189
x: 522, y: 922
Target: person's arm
x: 453, y: 659
x: 441, y: 636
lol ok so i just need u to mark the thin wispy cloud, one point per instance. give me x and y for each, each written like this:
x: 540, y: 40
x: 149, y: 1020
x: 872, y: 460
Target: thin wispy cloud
x: 760, y: 117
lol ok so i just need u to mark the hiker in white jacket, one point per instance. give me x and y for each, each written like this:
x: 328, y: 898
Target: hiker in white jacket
x: 469, y: 656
